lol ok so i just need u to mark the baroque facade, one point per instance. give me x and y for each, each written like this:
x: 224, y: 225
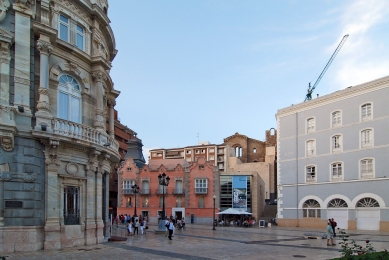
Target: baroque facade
x: 56, y: 153
x: 333, y: 159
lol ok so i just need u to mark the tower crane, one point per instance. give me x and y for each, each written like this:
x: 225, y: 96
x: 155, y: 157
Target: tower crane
x: 311, y: 89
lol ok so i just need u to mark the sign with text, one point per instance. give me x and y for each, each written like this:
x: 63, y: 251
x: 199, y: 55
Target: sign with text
x: 239, y: 187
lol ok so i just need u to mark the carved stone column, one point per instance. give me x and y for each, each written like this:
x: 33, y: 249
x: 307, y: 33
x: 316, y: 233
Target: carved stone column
x: 53, y: 206
x: 111, y: 104
x: 99, y: 77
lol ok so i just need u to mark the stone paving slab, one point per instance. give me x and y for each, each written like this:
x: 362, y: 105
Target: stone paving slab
x: 202, y: 243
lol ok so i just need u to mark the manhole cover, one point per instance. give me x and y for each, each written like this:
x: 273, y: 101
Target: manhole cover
x: 299, y: 256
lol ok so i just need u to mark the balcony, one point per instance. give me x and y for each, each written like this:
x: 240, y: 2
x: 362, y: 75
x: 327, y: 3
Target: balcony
x: 178, y: 191
x: 84, y: 135
x: 128, y: 191
x: 201, y: 190
x: 145, y: 205
x: 160, y: 191
x: 145, y: 191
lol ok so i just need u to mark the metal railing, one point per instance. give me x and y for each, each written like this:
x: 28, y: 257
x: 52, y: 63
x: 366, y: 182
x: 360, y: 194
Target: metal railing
x: 128, y: 191
x: 178, y: 191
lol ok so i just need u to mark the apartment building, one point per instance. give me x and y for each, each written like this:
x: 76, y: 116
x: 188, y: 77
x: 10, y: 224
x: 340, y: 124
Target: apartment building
x: 333, y: 159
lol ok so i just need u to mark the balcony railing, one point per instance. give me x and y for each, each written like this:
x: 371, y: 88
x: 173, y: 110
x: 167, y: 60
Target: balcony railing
x: 160, y: 191
x: 83, y: 132
x: 145, y: 205
x: 128, y: 191
x: 145, y: 191
x: 201, y: 190
x: 178, y: 191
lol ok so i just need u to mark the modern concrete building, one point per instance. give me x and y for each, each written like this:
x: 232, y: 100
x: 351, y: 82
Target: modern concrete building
x: 56, y: 153
x: 333, y: 159
x: 189, y: 193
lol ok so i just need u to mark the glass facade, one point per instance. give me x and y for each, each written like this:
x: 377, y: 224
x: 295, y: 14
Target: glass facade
x: 227, y: 192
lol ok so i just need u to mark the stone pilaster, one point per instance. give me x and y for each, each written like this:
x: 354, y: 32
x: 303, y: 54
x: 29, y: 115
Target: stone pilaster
x: 5, y: 59
x: 90, y: 212
x: 22, y: 53
x: 99, y: 123
x: 52, y: 227
x: 98, y: 204
x: 111, y: 104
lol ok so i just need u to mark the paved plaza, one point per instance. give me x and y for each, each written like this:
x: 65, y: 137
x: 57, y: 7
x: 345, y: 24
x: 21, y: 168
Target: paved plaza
x: 201, y: 242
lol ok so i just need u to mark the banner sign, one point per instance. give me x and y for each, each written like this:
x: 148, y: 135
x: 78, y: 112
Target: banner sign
x: 239, y: 187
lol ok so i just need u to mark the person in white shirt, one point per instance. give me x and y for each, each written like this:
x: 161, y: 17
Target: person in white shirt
x: 171, y: 226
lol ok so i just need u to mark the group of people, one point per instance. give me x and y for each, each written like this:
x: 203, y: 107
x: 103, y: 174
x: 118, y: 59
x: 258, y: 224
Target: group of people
x: 135, y: 224
x: 331, y: 225
x: 231, y: 222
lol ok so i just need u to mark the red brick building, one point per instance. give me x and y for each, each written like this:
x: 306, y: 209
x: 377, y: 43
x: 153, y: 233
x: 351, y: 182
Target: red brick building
x: 189, y: 193
x: 122, y: 134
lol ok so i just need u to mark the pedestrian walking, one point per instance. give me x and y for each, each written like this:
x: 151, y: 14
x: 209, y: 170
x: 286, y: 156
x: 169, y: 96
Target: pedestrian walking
x: 333, y: 224
x: 330, y: 235
x: 129, y: 227
x: 171, y: 226
x: 136, y: 227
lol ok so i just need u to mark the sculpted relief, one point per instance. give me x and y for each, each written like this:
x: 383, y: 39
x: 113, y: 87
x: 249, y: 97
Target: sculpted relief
x: 4, y: 5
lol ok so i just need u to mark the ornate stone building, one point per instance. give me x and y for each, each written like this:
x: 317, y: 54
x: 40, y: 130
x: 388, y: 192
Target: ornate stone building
x: 56, y: 153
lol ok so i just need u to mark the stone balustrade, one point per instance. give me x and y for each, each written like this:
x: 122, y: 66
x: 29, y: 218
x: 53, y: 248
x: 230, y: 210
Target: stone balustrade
x: 83, y: 132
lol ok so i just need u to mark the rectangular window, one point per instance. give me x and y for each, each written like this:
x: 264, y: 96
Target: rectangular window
x: 71, y: 211
x: 201, y: 186
x: 367, y: 168
x: 336, y: 171
x: 311, y: 213
x: 366, y: 138
x: 178, y: 189
x: 311, y: 173
x: 336, y: 119
x: 310, y: 148
x: 201, y: 202
x: 64, y: 28
x: 145, y: 201
x: 145, y: 187
x: 179, y: 201
x: 336, y: 143
x: 127, y: 187
x: 310, y: 125
x: 366, y: 112
x: 80, y: 37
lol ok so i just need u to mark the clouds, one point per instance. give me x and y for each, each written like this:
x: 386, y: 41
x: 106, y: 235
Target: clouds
x: 363, y: 53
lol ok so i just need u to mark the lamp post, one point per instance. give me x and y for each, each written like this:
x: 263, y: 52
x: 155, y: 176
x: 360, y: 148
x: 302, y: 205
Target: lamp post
x: 135, y: 188
x: 163, y: 180
x: 213, y: 217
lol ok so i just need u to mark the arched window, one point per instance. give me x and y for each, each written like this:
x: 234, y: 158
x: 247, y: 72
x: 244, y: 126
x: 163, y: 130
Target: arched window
x: 337, y: 203
x: 336, y: 118
x: 69, y: 99
x: 367, y: 203
x: 255, y: 150
x: 366, y: 112
x: 238, y: 151
x: 311, y: 209
x: 310, y: 125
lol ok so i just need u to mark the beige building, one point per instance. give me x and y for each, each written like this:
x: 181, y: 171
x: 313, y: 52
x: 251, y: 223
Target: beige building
x: 56, y: 153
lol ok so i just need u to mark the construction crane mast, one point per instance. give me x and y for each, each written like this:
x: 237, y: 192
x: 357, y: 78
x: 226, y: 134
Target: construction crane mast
x: 311, y: 89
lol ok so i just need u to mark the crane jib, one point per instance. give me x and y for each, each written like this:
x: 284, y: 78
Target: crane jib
x: 311, y: 89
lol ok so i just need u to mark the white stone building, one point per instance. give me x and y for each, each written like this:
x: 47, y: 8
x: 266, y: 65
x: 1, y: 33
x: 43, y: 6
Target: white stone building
x: 56, y: 152
x: 333, y: 159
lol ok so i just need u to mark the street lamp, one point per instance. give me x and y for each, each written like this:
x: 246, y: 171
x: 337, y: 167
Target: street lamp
x: 164, y: 181
x: 135, y: 188
x: 213, y: 218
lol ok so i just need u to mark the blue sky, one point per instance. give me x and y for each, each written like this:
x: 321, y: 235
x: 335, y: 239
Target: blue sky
x: 216, y: 67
